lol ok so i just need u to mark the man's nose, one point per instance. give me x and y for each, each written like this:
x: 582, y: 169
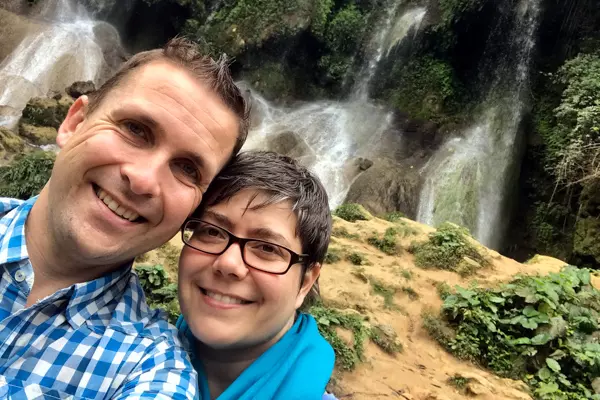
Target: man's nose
x: 144, y: 175
x: 231, y: 263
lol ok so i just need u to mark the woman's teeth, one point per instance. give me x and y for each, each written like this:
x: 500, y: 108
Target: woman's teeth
x: 116, y: 207
x: 224, y: 299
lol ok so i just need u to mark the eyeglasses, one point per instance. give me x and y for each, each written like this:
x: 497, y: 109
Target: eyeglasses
x: 258, y: 254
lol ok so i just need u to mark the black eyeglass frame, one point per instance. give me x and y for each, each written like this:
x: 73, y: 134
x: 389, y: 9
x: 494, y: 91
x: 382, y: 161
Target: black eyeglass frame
x: 295, y: 257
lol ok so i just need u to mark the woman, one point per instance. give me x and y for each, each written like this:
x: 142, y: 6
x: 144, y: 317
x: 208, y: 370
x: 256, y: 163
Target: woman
x: 252, y: 253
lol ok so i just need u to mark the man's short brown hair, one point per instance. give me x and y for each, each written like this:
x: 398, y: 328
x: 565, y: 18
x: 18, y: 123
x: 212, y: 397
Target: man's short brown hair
x: 186, y: 54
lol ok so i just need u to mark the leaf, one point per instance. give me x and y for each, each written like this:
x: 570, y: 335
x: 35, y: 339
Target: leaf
x: 553, y: 364
x: 529, y: 311
x: 544, y: 374
x: 324, y: 321
x: 523, y: 340
x: 547, y: 388
x: 529, y: 324
x: 541, y: 339
x: 496, y: 299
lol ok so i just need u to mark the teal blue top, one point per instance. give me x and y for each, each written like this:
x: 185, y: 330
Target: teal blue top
x: 298, y: 366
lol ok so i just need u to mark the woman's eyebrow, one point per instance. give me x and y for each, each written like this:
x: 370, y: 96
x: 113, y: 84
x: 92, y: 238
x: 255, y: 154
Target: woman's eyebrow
x: 270, y: 235
x: 220, y: 219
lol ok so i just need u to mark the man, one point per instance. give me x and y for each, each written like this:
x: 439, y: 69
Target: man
x: 136, y: 158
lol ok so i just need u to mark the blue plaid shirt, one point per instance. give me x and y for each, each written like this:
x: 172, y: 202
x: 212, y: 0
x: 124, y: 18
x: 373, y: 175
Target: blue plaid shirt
x: 93, y: 340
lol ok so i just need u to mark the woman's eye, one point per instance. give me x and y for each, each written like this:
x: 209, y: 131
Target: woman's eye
x: 189, y: 170
x: 212, y: 232
x: 267, y: 248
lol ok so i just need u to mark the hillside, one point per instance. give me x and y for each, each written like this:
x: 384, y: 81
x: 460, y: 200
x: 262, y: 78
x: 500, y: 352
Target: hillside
x: 391, y: 292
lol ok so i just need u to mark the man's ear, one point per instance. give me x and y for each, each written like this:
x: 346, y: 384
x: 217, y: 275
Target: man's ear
x: 74, y: 118
x: 310, y: 277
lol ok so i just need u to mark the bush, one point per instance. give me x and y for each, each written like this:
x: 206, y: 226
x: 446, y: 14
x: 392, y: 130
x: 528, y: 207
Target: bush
x: 343, y: 232
x: 387, y: 243
x: 356, y: 258
x: 332, y: 256
x: 540, y: 329
x: 394, y: 216
x: 446, y: 249
x: 160, y: 292
x: 352, y: 212
x: 26, y: 176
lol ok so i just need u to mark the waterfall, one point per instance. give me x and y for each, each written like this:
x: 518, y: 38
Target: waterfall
x: 470, y: 179
x: 65, y: 50
x: 393, y: 31
x: 337, y: 133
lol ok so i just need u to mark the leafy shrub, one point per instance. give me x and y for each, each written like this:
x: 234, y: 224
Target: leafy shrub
x: 332, y: 256
x: 347, y: 357
x: 340, y: 231
x: 160, y: 291
x: 540, y: 329
x: 356, y: 258
x: 26, y: 175
x: 352, y: 212
x: 459, y: 382
x: 387, y: 243
x: 446, y: 249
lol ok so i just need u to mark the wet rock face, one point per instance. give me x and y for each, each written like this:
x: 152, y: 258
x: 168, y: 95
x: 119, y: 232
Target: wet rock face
x: 43, y: 116
x: 80, y: 88
x: 292, y: 145
x: 385, y: 187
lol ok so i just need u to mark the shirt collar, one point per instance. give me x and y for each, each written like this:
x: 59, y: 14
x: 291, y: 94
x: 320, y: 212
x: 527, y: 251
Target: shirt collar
x: 12, y: 242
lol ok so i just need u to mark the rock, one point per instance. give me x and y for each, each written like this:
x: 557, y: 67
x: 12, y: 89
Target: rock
x: 467, y: 266
x: 386, y: 338
x: 10, y: 144
x: 385, y: 187
x: 46, y: 112
x: 38, y: 135
x: 596, y: 385
x: 292, y: 145
x: 364, y: 163
x: 80, y: 88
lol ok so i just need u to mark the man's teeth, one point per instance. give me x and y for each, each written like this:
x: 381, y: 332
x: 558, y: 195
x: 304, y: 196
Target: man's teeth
x: 224, y: 299
x: 116, y: 207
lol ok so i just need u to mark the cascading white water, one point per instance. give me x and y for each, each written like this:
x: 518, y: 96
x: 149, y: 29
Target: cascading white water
x: 469, y: 179
x: 338, y: 132
x: 62, y: 52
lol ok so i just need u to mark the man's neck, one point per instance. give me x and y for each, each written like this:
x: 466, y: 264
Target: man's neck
x: 54, y: 267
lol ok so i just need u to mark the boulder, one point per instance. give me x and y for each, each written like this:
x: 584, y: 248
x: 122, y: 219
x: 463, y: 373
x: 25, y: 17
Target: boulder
x: 47, y: 112
x: 292, y: 145
x: 10, y: 144
x: 596, y: 385
x: 80, y: 88
x: 38, y: 135
x: 386, y: 187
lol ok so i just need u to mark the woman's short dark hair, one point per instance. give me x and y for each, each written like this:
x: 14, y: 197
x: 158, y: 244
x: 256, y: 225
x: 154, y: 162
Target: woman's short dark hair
x: 281, y: 178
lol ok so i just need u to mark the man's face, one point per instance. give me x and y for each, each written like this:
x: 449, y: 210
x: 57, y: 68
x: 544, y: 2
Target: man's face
x: 130, y: 172
x: 268, y: 302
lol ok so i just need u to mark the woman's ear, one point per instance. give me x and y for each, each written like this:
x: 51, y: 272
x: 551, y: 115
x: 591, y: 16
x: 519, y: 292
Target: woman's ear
x: 310, y: 277
x: 74, y: 118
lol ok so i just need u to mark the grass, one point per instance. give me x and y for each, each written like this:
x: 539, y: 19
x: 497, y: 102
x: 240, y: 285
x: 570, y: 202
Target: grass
x: 361, y: 275
x: 406, y: 274
x: 385, y: 291
x: 436, y: 328
x: 387, y: 243
x: 443, y: 289
x: 412, y: 294
x: 328, y: 319
x: 394, y: 216
x: 333, y: 255
x: 459, y: 382
x: 340, y: 231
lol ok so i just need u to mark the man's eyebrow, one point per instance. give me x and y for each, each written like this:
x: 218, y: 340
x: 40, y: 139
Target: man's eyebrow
x: 220, y: 219
x: 269, y: 235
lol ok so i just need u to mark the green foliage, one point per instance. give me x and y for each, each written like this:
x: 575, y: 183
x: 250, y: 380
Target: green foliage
x: 452, y: 10
x: 422, y: 87
x: 394, y: 216
x: 446, y: 249
x: 26, y: 175
x: 328, y: 319
x: 385, y: 291
x: 412, y: 294
x: 352, y: 212
x: 459, y: 382
x: 333, y: 255
x: 160, y: 291
x: 320, y: 16
x: 387, y: 243
x: 406, y: 274
x: 538, y: 328
x: 356, y: 258
x: 443, y: 289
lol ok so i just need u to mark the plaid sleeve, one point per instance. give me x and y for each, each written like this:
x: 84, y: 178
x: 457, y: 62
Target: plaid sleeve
x: 164, y: 373
x: 7, y: 204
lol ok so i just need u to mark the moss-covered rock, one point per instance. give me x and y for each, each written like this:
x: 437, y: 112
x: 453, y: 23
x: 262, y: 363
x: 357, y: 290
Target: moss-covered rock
x: 47, y: 112
x: 38, y: 135
x: 10, y: 144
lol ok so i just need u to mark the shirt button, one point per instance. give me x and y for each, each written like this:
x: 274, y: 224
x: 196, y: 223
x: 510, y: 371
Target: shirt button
x: 19, y: 276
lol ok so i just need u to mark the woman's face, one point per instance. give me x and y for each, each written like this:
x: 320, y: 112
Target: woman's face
x: 229, y: 305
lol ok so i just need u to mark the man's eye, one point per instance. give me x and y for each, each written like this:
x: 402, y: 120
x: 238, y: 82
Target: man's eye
x: 189, y: 170
x: 135, y: 128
